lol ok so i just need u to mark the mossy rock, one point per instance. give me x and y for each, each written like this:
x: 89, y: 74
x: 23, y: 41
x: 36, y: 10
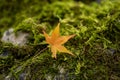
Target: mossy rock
x: 96, y: 45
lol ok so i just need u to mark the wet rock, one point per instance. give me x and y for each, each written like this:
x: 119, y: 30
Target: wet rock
x: 19, y: 38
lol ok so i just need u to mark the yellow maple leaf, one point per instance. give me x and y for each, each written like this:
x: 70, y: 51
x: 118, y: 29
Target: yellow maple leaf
x: 56, y: 41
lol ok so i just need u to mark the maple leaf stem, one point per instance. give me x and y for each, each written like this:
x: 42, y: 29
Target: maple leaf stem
x: 40, y: 51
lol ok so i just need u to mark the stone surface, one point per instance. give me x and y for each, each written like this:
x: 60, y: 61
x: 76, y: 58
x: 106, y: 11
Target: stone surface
x: 19, y: 38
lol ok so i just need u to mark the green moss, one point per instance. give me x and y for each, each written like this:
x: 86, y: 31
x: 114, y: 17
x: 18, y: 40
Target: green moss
x: 96, y: 44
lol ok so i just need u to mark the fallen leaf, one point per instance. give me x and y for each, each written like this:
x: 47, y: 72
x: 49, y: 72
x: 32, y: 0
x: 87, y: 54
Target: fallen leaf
x: 56, y: 41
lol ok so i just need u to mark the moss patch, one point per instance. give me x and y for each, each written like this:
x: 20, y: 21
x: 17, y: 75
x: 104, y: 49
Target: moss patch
x: 96, y: 44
